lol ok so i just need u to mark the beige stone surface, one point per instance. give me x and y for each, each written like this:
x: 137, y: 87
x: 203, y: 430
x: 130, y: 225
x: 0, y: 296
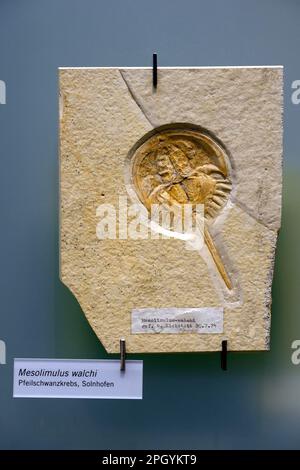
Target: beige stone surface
x: 103, y: 113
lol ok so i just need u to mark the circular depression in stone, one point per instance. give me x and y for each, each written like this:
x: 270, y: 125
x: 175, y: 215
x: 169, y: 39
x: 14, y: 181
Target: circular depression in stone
x: 180, y: 164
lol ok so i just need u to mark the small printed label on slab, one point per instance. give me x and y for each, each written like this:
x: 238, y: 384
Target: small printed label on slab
x: 207, y: 320
x: 68, y: 378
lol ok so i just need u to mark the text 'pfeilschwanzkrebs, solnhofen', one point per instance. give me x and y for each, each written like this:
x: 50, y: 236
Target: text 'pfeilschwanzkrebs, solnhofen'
x: 60, y: 373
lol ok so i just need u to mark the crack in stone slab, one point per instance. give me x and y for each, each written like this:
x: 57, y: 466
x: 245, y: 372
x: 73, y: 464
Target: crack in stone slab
x: 135, y: 99
x: 249, y: 212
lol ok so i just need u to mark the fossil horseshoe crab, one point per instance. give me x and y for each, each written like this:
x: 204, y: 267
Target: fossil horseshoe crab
x: 184, y: 165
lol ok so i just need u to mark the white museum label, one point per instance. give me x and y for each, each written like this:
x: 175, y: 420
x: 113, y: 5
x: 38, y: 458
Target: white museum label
x: 177, y: 320
x: 73, y: 378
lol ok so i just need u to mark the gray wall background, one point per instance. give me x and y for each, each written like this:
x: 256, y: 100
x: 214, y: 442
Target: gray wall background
x: 188, y: 401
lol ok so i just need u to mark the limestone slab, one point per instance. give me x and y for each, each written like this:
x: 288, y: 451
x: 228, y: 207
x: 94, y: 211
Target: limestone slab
x: 105, y: 115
